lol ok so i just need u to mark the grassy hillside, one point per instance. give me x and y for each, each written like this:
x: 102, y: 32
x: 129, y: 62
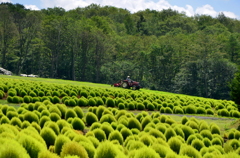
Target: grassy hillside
x: 59, y: 117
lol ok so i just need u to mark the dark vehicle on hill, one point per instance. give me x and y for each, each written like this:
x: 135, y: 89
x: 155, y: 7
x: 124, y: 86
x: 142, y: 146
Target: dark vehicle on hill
x: 128, y: 84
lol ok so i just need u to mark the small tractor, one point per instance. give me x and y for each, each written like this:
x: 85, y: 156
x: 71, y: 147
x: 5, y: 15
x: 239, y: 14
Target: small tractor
x: 126, y: 84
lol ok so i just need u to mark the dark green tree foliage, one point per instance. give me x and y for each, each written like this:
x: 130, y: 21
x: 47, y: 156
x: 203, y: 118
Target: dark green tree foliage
x: 235, y: 89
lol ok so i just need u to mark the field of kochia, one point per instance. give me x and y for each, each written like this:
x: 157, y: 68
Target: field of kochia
x: 74, y: 121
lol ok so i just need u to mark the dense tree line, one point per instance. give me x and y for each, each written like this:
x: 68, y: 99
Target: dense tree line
x: 164, y: 50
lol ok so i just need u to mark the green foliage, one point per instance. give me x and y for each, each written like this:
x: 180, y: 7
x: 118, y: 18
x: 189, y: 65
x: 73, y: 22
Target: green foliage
x: 187, y: 150
x: 106, y: 149
x: 48, y: 135
x: 99, y: 134
x: 59, y: 142
x: 110, y: 102
x: 31, y: 117
x: 169, y: 133
x: 235, y: 89
x: 78, y: 111
x: 90, y: 118
x: 107, y: 118
x: 190, y: 110
x: 116, y: 135
x: 134, y: 123
x: 78, y: 124
x: 140, y: 106
x: 11, y: 148
x: 175, y: 144
x: 70, y: 113
x: 73, y: 148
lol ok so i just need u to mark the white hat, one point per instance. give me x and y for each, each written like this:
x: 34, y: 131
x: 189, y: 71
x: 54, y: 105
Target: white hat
x: 128, y: 76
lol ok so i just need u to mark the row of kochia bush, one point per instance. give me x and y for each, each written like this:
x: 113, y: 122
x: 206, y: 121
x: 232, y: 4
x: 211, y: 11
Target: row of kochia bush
x: 46, y: 130
x: 22, y: 91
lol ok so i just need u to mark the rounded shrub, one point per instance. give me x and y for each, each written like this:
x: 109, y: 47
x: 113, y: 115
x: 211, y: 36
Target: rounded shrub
x: 187, y: 150
x: 121, y: 106
x: 207, y: 134
x: 201, y: 110
x: 140, y: 106
x: 197, y: 144
x: 207, y: 142
x: 73, y: 148
x: 48, y: 135
x: 168, y: 110
x: 82, y: 102
x: 190, y: 109
x: 145, y: 121
x: 11, y: 148
x: 146, y: 152
x: 187, y: 131
x: 178, y: 110
x: 10, y: 99
x: 78, y: 111
x: 169, y: 133
x: 71, y: 102
x: 53, y: 126
x: 215, y: 129
x: 27, y: 99
x: 54, y: 117
x: 16, y: 122
x: 95, y: 125
x: 70, y: 113
x: 100, y: 111
x: 224, y: 112
x: 78, y: 124
x: 131, y: 106
x: 134, y: 123
x: 150, y: 107
x: 90, y: 118
x: 59, y: 142
x: 107, y: 118
x: 107, y: 128
x: 110, y: 102
x: 107, y: 149
x: 210, y: 112
x: 125, y: 132
x: 11, y: 114
x: 31, y: 117
x: 99, y: 134
x: 92, y: 102
x: 84, y: 93
x: 175, y: 144
x: 116, y: 135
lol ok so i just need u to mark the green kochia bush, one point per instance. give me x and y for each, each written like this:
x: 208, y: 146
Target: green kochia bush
x: 48, y: 135
x: 108, y: 150
x: 146, y: 152
x: 74, y: 148
x: 78, y: 124
x: 60, y: 141
x: 31, y: 117
x: 91, y: 118
x: 78, y: 111
x: 99, y: 134
x: 107, y: 128
x: 187, y: 150
x: 175, y: 144
x: 134, y: 123
x: 70, y: 113
x: 107, y: 118
x: 116, y: 135
x: 11, y: 148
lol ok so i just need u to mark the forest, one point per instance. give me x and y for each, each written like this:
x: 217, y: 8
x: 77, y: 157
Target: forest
x: 163, y: 50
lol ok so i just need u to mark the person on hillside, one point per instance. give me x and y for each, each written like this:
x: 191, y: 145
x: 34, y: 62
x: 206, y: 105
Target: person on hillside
x: 129, y: 80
